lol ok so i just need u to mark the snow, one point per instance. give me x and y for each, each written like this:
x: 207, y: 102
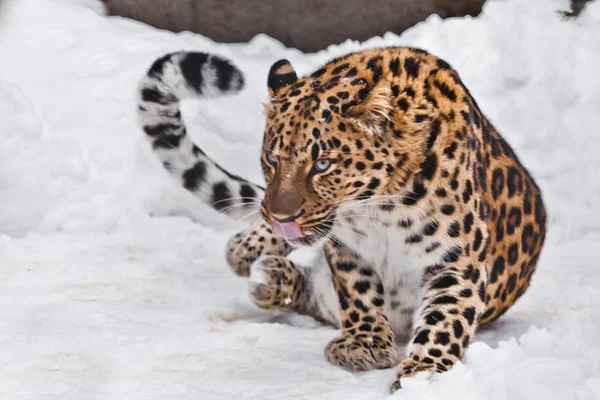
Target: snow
x: 113, y: 282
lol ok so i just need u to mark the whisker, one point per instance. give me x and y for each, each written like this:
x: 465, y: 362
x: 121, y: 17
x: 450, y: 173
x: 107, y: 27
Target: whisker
x: 249, y: 215
x: 253, y: 200
x: 238, y: 205
x: 352, y: 232
x: 333, y: 237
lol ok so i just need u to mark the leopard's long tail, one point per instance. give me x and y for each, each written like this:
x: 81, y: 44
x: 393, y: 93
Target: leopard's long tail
x: 181, y: 75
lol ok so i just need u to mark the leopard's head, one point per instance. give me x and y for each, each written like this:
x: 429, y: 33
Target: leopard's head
x: 324, y: 146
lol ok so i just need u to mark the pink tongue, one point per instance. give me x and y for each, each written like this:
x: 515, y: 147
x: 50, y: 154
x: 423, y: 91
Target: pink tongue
x: 289, y: 230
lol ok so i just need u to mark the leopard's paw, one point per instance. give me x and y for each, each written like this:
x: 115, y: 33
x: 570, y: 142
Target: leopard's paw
x: 410, y: 368
x: 361, y: 352
x: 275, y: 283
x: 247, y: 246
x: 239, y: 256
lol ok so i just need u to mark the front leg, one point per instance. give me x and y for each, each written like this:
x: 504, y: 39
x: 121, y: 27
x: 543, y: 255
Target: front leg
x: 276, y: 283
x: 367, y: 340
x: 247, y: 246
x: 445, y: 324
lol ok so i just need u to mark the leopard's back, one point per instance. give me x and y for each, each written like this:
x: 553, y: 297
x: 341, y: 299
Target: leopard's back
x: 516, y: 220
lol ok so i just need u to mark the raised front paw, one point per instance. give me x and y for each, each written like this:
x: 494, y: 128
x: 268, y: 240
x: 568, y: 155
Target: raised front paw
x: 246, y: 247
x: 361, y: 352
x: 275, y: 283
x: 410, y: 368
x: 239, y: 257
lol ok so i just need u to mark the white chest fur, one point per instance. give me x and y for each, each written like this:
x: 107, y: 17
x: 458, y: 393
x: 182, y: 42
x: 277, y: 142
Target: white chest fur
x: 395, y: 247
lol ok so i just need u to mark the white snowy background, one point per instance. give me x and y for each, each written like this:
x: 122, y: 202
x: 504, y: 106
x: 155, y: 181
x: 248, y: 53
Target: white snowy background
x: 113, y: 283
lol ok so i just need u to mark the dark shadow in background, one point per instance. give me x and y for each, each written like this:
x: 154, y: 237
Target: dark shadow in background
x: 308, y: 25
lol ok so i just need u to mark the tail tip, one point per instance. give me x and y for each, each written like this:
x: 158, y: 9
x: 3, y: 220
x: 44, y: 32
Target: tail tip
x: 229, y: 78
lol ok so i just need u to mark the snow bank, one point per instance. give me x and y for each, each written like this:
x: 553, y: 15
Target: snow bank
x: 110, y: 290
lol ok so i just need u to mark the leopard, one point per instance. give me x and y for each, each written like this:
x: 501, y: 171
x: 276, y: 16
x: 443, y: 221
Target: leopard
x: 426, y: 224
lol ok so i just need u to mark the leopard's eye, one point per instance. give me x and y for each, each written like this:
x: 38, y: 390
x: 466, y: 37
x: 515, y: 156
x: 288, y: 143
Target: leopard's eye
x: 322, y: 165
x: 272, y: 159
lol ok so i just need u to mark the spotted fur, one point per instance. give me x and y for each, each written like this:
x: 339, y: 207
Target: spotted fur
x: 183, y: 75
x: 429, y: 224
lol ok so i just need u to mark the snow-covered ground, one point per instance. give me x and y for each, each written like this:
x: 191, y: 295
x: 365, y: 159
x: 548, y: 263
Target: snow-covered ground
x: 112, y: 280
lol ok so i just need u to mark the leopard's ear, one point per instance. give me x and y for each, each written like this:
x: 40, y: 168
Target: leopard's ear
x: 282, y: 74
x: 372, y: 113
